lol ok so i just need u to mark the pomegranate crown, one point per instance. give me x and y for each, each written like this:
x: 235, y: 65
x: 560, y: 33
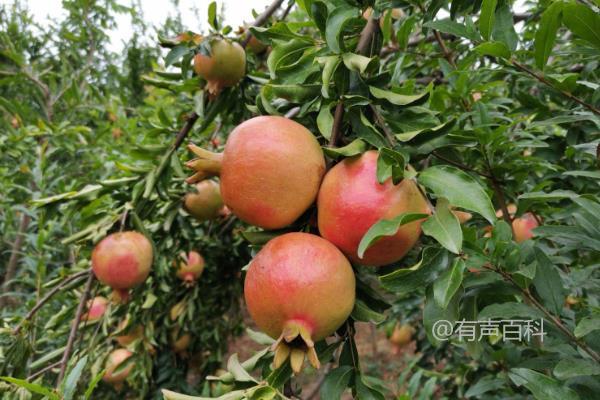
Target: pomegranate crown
x: 295, y: 343
x: 206, y: 165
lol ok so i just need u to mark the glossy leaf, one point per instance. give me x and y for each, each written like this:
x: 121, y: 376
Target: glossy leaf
x: 444, y: 227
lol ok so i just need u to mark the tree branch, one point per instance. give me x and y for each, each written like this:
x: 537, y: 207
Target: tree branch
x: 262, y: 18
x: 381, y: 122
x: 336, y: 130
x: 74, y: 327
x: 15, y: 251
x: 553, y: 318
x: 543, y: 80
x: 48, y: 296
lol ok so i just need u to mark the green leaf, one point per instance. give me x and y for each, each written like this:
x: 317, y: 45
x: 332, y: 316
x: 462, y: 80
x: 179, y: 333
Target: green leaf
x: 336, y: 382
x: 279, y: 31
x: 70, y: 382
x: 404, y: 31
x: 459, y: 188
x: 444, y: 227
x: 587, y: 325
x: 32, y: 387
x: 336, y: 22
x: 440, y: 129
x: 445, y: 287
x: 365, y: 392
x: 432, y: 313
x: 354, y: 148
x: 541, y: 386
x: 92, y: 385
x: 487, y: 17
x: 571, y: 367
x: 212, y: 15
x: 494, y: 49
x: 329, y: 64
x: 484, y: 385
x: 325, y: 121
x: 175, y: 54
x: 405, y: 280
x: 548, y: 283
x: 543, y: 196
x: 583, y: 22
x: 237, y: 370
x: 390, y: 164
x: 363, y: 313
x: 358, y: 63
x: 453, y: 28
x: 508, y: 310
x: 504, y: 27
x: 259, y: 337
x: 386, y: 227
x: 234, y: 395
x: 400, y: 99
x: 546, y: 33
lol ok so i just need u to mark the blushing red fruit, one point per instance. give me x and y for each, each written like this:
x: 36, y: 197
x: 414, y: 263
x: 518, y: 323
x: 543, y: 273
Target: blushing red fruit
x: 115, y: 359
x: 224, y: 67
x: 351, y: 200
x: 191, y: 267
x: 523, y: 226
x: 122, y: 260
x: 96, y: 309
x: 131, y: 335
x: 206, y: 204
x: 270, y: 171
x: 299, y: 286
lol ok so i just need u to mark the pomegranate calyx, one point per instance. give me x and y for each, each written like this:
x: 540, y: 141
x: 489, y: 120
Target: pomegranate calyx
x: 295, y: 343
x: 208, y: 164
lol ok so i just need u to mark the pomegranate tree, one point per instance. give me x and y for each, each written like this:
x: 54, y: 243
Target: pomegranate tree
x: 122, y: 260
x: 351, y: 200
x: 206, y: 203
x: 224, y: 67
x: 270, y: 171
x: 299, y: 289
x: 190, y: 268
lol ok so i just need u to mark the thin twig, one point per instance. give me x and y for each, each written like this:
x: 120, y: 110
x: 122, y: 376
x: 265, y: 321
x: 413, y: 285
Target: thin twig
x: 553, y: 318
x: 460, y: 165
x: 543, y: 80
x: 381, y: 122
x: 447, y: 54
x: 13, y: 261
x: 336, y: 129
x: 48, y: 296
x: 74, y: 327
x: 262, y: 18
x: 43, y: 370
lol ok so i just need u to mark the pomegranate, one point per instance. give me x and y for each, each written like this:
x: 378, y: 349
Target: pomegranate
x: 115, y: 359
x: 180, y: 342
x: 207, y: 203
x: 523, y: 226
x: 402, y: 335
x: 187, y: 37
x: 299, y: 289
x: 130, y: 334
x: 190, y: 268
x: 462, y: 216
x: 270, y: 170
x: 351, y: 200
x: 256, y: 46
x: 96, y: 309
x: 224, y: 67
x: 122, y: 260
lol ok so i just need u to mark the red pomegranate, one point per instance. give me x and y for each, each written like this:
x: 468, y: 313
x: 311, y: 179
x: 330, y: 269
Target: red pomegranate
x: 351, y: 200
x: 96, y: 309
x: 206, y: 203
x: 115, y: 359
x: 523, y: 226
x: 122, y: 260
x: 299, y: 289
x: 224, y: 67
x: 270, y: 170
x: 191, y: 267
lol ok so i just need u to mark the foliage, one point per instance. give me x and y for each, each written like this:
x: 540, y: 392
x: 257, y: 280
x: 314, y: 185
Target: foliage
x: 479, y: 110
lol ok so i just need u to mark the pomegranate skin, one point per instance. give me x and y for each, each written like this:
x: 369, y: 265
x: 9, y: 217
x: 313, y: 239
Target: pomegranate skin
x: 116, y: 358
x: 225, y: 66
x: 191, y: 270
x: 351, y: 200
x: 271, y: 171
x: 302, y: 279
x: 96, y: 309
x: 523, y: 227
x: 207, y: 203
x: 122, y: 260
